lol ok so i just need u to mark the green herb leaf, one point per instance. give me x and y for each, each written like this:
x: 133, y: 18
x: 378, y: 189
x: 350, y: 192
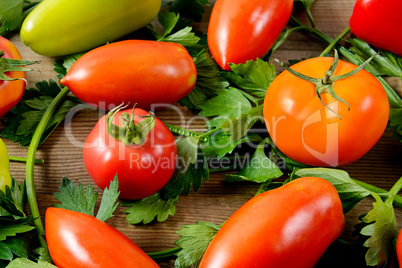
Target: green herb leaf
x: 382, y: 229
x: 191, y: 9
x: 13, y: 245
x: 395, y: 123
x: 12, y: 65
x: 10, y: 15
x: 227, y: 104
x: 76, y: 198
x: 25, y: 263
x: 209, y: 83
x: 194, y: 240
x: 23, y: 119
x: 241, y: 125
x: 150, y: 208
x: 14, y: 229
x: 260, y: 168
x: 109, y: 198
x: 384, y: 64
x: 349, y: 191
x: 187, y: 150
x: 253, y: 77
x: 192, y: 178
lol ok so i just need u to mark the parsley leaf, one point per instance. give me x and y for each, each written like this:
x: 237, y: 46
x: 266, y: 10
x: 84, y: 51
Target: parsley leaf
x: 23, y: 119
x: 382, y: 229
x: 150, y: 208
x: 13, y: 245
x: 187, y: 149
x: 259, y: 169
x: 209, y: 83
x: 23, y: 262
x: 349, y: 191
x: 194, y: 240
x: 253, y: 77
x: 192, y: 177
x: 191, y: 9
x: 109, y: 198
x: 78, y: 199
x: 395, y: 123
x: 10, y: 15
x: 228, y: 103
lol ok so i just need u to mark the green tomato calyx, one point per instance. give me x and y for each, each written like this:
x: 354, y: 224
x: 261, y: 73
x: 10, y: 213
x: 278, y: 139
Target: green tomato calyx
x: 326, y: 84
x: 130, y: 133
x: 13, y: 65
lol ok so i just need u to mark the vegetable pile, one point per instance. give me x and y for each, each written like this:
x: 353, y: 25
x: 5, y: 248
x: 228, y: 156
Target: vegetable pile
x: 286, y: 134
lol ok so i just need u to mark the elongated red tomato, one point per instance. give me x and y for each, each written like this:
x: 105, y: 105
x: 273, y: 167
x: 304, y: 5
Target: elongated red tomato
x: 149, y: 73
x: 290, y: 226
x: 80, y: 240
x: 241, y: 30
x: 142, y: 169
x: 379, y: 23
x: 331, y: 132
x: 10, y: 91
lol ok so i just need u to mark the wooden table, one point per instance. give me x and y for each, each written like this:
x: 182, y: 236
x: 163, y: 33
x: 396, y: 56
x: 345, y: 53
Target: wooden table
x: 216, y: 200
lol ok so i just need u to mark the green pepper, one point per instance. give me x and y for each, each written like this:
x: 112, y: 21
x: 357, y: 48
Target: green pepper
x: 62, y: 27
x: 5, y: 177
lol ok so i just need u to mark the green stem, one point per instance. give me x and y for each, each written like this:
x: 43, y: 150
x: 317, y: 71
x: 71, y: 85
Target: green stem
x: 24, y: 160
x: 208, y: 133
x: 30, y: 187
x: 164, y: 253
x: 394, y: 99
x: 332, y: 45
x: 394, y: 191
x: 397, y: 199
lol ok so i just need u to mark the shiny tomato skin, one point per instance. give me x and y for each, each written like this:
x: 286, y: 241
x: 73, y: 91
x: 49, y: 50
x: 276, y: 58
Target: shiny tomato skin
x: 290, y: 226
x: 150, y: 73
x: 10, y: 91
x: 399, y: 248
x: 379, y: 23
x: 308, y: 132
x: 142, y: 170
x: 241, y: 30
x: 80, y: 240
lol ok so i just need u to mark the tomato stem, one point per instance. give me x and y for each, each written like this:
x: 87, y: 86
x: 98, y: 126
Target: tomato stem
x: 29, y: 179
x: 394, y: 99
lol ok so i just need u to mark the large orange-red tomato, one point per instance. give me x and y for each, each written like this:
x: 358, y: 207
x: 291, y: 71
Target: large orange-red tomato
x: 142, y: 169
x: 10, y: 91
x: 307, y: 131
x: 80, y: 240
x: 291, y: 226
x: 399, y: 248
x: 150, y: 74
x: 378, y: 22
x: 241, y: 30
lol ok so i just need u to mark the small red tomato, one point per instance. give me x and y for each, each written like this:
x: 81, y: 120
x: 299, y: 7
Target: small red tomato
x: 241, y: 30
x: 379, y: 23
x: 80, y: 240
x: 142, y: 169
x: 150, y: 74
x: 291, y: 226
x: 10, y: 91
x: 326, y: 132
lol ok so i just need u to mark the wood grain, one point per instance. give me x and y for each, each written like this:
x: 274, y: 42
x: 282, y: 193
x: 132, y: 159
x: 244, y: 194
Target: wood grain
x: 216, y: 200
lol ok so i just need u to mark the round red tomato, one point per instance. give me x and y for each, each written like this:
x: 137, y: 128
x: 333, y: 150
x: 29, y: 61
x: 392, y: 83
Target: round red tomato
x: 142, y: 169
x: 291, y: 226
x: 10, y: 91
x: 150, y: 74
x: 334, y: 134
x: 240, y: 30
x: 80, y: 240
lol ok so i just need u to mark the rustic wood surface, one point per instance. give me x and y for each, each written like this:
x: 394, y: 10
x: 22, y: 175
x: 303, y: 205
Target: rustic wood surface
x: 216, y: 200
